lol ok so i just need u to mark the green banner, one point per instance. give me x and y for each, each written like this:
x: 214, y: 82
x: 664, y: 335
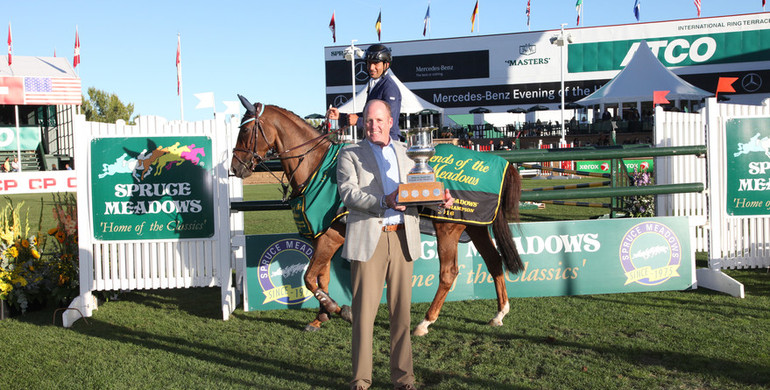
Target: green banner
x: 603, y: 166
x: 29, y: 138
x: 701, y: 49
x: 747, y: 143
x: 561, y: 258
x: 152, y: 188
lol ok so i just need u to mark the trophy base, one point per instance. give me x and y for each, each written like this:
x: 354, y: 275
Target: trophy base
x: 423, y: 193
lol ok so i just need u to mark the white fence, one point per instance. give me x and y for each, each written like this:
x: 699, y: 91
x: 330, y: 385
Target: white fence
x: 732, y: 241
x: 154, y: 264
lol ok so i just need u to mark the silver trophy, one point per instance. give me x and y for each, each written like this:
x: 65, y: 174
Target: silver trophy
x: 421, y: 187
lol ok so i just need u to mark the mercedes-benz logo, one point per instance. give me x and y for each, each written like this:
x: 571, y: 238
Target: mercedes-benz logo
x: 361, y: 73
x: 751, y: 82
x: 339, y: 100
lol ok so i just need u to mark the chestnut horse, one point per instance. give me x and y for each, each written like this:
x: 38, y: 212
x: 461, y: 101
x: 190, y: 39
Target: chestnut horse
x: 278, y: 134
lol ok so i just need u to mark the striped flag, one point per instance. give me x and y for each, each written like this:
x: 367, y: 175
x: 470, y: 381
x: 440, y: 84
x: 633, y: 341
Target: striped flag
x: 50, y: 91
x: 528, y: 12
x: 579, y: 9
x: 637, y: 9
x: 333, y: 27
x: 76, y: 57
x: 178, y: 65
x: 697, y: 5
x: 10, y: 46
x: 426, y: 21
x: 475, y: 13
x: 378, y: 25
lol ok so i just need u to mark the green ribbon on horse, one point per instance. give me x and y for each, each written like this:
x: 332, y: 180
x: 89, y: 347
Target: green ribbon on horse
x: 319, y: 204
x: 475, y: 180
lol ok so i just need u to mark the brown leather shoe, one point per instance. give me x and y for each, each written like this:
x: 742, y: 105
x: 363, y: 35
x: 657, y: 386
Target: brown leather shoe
x: 407, y: 386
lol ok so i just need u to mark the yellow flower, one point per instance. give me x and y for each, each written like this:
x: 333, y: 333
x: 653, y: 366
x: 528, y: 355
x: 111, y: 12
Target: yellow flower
x: 13, y: 252
x: 35, y: 253
x: 52, y: 231
x: 25, y: 243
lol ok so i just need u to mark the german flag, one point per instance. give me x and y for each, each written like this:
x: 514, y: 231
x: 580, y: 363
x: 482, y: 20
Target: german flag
x: 378, y: 25
x: 475, y: 13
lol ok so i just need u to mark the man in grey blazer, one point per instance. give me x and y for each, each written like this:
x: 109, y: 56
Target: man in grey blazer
x: 382, y: 239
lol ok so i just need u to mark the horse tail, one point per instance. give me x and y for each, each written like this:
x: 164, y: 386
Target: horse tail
x: 509, y: 210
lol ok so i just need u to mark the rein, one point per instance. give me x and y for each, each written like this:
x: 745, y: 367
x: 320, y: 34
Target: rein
x: 257, y: 160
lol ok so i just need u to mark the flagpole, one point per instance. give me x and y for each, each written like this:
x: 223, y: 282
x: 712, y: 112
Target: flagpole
x: 18, y: 138
x: 179, y: 74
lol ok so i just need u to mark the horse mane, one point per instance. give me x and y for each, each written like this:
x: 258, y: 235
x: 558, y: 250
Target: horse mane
x: 293, y: 117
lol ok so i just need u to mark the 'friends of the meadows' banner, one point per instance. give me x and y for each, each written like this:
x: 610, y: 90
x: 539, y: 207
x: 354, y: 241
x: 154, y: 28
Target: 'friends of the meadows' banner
x: 152, y: 188
x: 561, y: 258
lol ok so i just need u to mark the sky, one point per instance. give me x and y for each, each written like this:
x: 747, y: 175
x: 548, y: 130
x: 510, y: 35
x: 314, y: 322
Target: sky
x: 272, y: 51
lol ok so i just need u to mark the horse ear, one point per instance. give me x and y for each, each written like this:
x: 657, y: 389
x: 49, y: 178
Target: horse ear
x: 246, y: 104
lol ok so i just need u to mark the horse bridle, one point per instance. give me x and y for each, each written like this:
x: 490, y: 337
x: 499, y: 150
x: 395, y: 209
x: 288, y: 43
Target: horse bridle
x: 257, y: 160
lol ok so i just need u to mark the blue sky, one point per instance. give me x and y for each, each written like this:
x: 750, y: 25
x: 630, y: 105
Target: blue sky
x: 272, y: 52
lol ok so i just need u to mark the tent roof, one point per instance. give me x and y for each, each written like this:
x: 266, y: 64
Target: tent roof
x: 410, y: 103
x: 637, y: 81
x: 26, y: 66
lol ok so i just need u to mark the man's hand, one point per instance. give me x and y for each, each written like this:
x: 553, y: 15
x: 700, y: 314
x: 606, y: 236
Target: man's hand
x: 391, y: 201
x: 352, y: 119
x: 333, y: 113
x: 448, y: 200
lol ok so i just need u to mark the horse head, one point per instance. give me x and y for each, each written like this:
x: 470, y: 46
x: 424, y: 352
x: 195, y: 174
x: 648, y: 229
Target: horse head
x: 253, y: 146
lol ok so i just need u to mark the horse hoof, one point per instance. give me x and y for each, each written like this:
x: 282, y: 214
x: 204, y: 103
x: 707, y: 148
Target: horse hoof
x: 323, y: 317
x: 420, y: 331
x: 346, y: 313
x: 311, y: 328
x: 495, y: 322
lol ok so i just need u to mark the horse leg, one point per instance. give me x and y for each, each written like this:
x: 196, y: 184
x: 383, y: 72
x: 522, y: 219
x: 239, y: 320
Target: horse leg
x: 318, y: 274
x: 483, y: 242
x: 447, y: 237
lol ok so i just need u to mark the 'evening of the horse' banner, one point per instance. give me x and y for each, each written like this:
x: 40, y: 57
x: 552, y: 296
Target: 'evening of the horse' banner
x: 560, y: 258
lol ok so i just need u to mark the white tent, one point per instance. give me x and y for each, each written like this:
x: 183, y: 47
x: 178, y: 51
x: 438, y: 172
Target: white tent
x: 637, y: 81
x: 410, y: 103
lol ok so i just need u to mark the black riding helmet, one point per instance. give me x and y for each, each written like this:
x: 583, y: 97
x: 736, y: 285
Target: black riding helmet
x: 378, y: 53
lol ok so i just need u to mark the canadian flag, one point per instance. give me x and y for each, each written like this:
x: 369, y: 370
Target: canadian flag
x: 10, y: 46
x: 76, y: 57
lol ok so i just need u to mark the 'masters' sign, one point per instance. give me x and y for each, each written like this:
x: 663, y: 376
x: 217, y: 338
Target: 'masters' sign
x: 748, y: 166
x: 152, y: 188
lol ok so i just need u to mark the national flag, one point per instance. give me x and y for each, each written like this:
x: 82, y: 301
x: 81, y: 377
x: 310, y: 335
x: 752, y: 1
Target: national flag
x: 528, y: 11
x: 697, y: 5
x: 475, y: 13
x: 76, y: 57
x: 378, y: 25
x: 51, y: 91
x: 11, y: 90
x: 637, y: 9
x: 763, y: 4
x: 178, y: 65
x: 426, y: 21
x: 10, y: 46
x: 659, y: 97
x: 333, y: 27
x: 725, y: 84
x: 579, y: 9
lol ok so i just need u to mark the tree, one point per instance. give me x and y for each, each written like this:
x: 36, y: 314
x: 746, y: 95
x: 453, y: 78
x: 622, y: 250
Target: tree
x: 106, y: 107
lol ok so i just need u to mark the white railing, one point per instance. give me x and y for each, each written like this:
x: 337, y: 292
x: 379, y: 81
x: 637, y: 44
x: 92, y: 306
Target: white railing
x: 154, y: 264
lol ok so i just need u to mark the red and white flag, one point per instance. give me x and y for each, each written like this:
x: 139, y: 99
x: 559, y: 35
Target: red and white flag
x: 76, y: 57
x: 697, y: 5
x: 178, y: 65
x: 10, y: 46
x: 333, y: 27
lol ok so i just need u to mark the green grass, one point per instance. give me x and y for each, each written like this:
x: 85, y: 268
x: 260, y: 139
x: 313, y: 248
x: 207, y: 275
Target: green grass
x: 176, y: 339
